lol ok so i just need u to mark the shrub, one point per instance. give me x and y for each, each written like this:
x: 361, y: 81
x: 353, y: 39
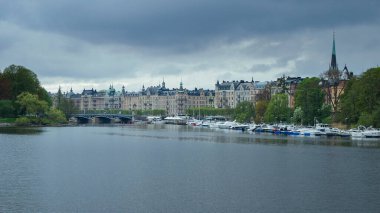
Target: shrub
x: 22, y: 121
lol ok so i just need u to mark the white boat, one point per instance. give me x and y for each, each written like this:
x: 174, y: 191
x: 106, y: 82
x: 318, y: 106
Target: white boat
x: 205, y: 124
x: 325, y: 129
x: 262, y: 128
x: 309, y: 132
x: 227, y: 125
x: 362, y: 132
x: 333, y: 132
x: 155, y: 120
x: 215, y: 124
x: 356, y: 133
x: 194, y: 122
x: 252, y: 127
x: 239, y: 126
x: 267, y: 128
x: 343, y: 133
x: 175, y: 120
x: 371, y: 133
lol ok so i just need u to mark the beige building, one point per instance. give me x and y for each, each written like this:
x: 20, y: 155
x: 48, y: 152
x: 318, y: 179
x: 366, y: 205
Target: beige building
x: 229, y: 94
x: 94, y: 100
x: 172, y: 101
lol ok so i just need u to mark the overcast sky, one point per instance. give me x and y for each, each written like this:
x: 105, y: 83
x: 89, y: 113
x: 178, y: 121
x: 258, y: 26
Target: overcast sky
x: 92, y: 44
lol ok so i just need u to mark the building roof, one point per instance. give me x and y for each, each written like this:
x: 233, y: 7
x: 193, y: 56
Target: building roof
x: 228, y: 85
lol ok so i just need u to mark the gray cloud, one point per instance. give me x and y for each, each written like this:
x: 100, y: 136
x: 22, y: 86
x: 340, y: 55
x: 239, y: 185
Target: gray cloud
x: 138, y: 40
x: 185, y: 25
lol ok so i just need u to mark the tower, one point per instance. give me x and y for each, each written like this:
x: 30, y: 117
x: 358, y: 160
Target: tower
x: 123, y: 90
x: 181, y: 85
x: 163, y: 83
x: 333, y: 65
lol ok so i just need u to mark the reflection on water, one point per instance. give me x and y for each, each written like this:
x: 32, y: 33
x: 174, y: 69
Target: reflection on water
x: 199, y: 134
x: 21, y: 130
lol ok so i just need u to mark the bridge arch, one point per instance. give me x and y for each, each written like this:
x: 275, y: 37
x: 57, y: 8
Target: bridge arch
x: 125, y: 119
x: 83, y: 119
x: 103, y: 119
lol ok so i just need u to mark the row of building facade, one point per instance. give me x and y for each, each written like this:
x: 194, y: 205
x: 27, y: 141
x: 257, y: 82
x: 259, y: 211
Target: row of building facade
x: 175, y: 101
x: 227, y: 94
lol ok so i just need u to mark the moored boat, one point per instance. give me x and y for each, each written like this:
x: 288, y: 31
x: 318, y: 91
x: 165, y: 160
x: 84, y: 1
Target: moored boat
x: 226, y: 125
x: 241, y: 127
x: 356, y: 133
x: 175, y: 120
x: 371, y: 133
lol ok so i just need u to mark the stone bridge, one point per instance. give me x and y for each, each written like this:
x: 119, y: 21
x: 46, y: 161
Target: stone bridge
x: 102, y: 118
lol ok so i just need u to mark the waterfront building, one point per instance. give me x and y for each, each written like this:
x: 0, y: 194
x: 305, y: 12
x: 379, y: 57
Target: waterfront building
x: 91, y: 99
x: 228, y: 94
x: 172, y: 101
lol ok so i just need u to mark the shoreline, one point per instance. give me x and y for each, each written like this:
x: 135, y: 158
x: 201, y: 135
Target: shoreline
x: 35, y: 125
x: 7, y: 124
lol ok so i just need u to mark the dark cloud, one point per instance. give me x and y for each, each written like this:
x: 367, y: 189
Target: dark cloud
x: 185, y: 25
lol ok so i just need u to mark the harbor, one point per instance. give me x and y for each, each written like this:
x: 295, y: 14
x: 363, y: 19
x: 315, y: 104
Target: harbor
x: 318, y: 130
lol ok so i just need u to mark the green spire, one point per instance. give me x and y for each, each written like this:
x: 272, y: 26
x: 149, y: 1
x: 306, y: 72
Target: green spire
x: 333, y: 50
x: 333, y: 65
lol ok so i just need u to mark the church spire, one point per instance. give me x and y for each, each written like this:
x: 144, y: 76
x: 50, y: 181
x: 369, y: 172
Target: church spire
x: 163, y: 83
x: 333, y: 65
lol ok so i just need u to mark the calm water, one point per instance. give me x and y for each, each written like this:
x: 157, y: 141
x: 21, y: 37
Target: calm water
x: 183, y: 169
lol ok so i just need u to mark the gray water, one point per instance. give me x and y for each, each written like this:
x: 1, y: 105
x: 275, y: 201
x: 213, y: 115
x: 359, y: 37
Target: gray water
x: 183, y: 169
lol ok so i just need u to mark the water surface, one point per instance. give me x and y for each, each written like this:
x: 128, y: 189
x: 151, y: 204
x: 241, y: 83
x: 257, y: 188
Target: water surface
x: 184, y: 169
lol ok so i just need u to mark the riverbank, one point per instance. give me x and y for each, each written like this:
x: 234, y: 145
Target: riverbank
x: 7, y: 124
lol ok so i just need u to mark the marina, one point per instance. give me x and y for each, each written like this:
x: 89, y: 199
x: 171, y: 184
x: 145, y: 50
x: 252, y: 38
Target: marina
x: 321, y: 130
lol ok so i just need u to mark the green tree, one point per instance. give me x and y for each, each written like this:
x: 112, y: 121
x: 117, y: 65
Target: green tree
x: 365, y: 119
x: 369, y: 98
x: 65, y: 105
x: 281, y: 83
x: 44, y: 95
x: 68, y: 107
x: 360, y: 102
x: 350, y: 106
x: 244, y: 112
x: 278, y: 109
x: 7, y: 109
x: 21, y: 80
x: 55, y: 116
x: 309, y: 96
x: 376, y: 117
x: 261, y: 107
x: 30, y: 105
x: 325, y: 114
x: 5, y: 88
x: 297, y: 115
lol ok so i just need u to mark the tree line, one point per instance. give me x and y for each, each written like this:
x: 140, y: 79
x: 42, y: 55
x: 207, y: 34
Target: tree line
x: 22, y: 97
